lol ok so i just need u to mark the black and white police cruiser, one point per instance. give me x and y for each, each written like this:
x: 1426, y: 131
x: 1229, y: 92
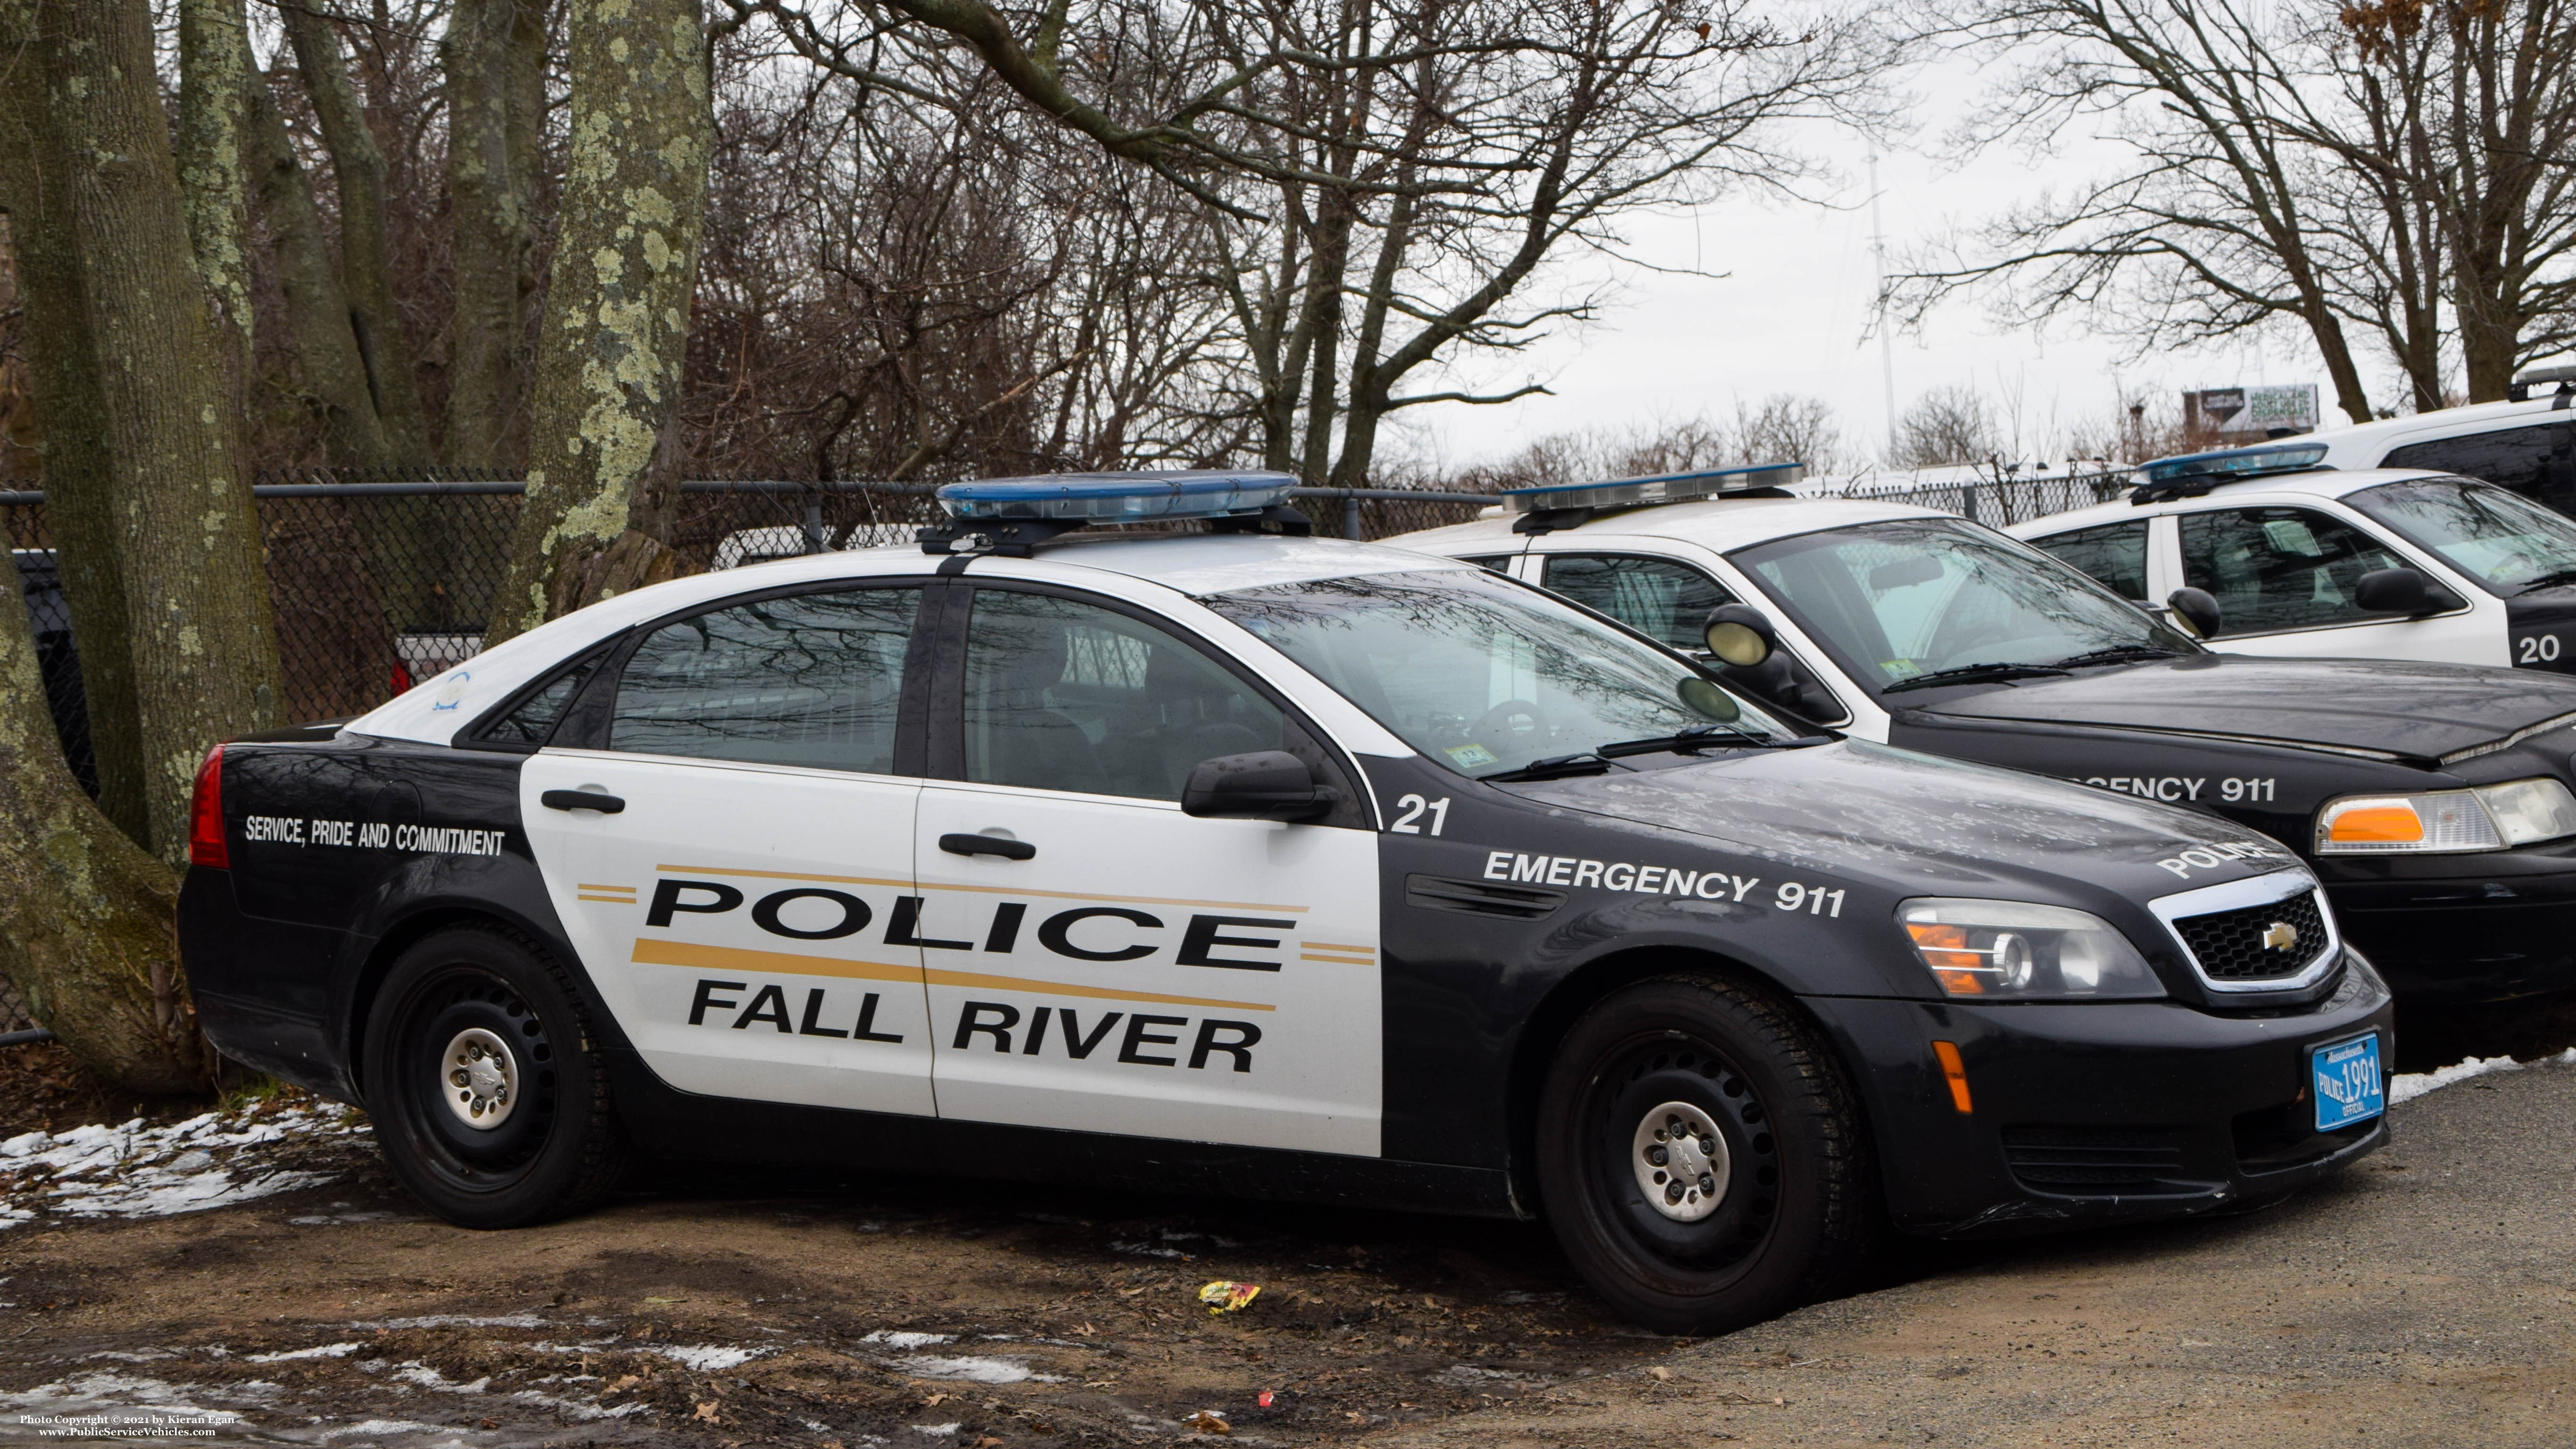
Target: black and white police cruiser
x: 1249, y: 862
x: 2432, y: 799
x: 2298, y: 557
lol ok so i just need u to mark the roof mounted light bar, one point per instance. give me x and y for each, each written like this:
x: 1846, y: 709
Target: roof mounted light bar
x: 2565, y: 377
x: 1013, y: 515
x: 1565, y: 505
x: 2190, y: 475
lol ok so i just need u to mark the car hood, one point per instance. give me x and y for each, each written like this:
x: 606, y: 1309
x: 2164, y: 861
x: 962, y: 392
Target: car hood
x: 1921, y: 824
x: 2395, y: 709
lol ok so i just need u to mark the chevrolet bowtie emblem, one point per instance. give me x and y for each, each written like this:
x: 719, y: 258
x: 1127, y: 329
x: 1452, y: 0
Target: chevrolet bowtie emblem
x: 2281, y: 937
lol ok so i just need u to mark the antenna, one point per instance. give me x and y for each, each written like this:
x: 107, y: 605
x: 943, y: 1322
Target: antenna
x: 1886, y: 351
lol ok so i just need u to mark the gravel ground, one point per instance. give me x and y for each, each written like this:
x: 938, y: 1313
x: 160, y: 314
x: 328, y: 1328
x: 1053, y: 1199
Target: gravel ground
x: 2425, y: 1298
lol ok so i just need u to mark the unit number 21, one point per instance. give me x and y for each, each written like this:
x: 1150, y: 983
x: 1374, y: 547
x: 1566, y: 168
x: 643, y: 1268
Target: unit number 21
x: 1414, y: 808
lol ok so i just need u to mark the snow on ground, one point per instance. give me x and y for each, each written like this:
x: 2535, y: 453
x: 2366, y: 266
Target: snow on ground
x: 2408, y: 1087
x: 133, y: 1171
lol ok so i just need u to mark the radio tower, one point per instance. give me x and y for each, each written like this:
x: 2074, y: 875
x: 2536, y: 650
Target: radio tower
x: 1886, y: 351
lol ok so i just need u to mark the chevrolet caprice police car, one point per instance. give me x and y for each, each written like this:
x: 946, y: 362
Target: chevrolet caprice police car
x: 1254, y: 863
x: 2432, y: 799
x: 2299, y: 558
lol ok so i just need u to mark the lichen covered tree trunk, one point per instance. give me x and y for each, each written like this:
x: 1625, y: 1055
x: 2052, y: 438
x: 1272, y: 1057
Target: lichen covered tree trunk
x: 197, y: 608
x: 487, y: 203
x: 87, y: 919
x: 64, y: 374
x: 612, y: 342
x: 215, y: 76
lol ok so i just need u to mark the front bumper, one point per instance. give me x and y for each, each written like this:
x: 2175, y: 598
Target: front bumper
x: 2099, y: 1112
x: 2487, y: 927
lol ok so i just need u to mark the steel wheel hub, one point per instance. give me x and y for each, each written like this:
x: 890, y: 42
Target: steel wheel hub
x: 1681, y: 1161
x: 479, y: 1079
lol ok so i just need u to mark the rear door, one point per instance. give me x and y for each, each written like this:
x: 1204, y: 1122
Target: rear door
x: 1669, y: 600
x: 745, y: 908
x: 1099, y: 961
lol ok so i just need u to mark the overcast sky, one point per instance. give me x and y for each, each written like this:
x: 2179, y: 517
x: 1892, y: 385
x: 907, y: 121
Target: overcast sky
x: 1792, y: 313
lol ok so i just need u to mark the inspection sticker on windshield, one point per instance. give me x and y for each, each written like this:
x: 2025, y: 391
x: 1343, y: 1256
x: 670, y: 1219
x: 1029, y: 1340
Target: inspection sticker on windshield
x: 2348, y: 1082
x: 1470, y: 757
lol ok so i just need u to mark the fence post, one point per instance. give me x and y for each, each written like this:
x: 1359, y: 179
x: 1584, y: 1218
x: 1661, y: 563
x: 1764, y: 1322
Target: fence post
x: 1351, y: 517
x: 1968, y: 499
x: 814, y: 520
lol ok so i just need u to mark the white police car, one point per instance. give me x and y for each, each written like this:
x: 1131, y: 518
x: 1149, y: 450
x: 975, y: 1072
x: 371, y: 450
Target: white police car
x: 2433, y: 799
x: 1256, y: 863
x: 2297, y: 557
x: 2527, y: 443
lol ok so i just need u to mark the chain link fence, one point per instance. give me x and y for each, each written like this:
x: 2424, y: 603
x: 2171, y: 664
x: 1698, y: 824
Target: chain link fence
x: 1995, y: 502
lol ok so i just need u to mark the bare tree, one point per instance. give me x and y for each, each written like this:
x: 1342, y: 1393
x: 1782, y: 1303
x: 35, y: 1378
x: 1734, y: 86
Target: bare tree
x: 1788, y: 428
x: 1945, y: 427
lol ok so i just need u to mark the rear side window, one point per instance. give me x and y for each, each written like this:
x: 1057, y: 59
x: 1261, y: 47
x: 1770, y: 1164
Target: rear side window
x: 2515, y: 458
x: 1665, y: 601
x: 533, y: 719
x: 2280, y: 568
x: 809, y: 679
x: 2116, y: 555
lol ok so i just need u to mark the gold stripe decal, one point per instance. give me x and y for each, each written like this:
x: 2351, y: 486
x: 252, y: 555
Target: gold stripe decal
x: 1335, y: 946
x: 784, y: 963
x: 905, y: 885
x: 1337, y: 960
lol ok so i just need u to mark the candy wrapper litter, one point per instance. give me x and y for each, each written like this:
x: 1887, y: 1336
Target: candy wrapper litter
x: 1223, y: 1296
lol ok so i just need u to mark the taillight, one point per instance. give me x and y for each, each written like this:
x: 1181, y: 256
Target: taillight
x: 206, y: 814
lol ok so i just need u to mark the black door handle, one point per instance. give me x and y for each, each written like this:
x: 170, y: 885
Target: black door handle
x: 581, y: 800
x: 987, y: 845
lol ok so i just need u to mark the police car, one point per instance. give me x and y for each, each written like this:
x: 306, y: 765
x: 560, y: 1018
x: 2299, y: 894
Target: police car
x: 2432, y: 799
x: 2297, y: 557
x: 1248, y: 862
x: 2526, y: 443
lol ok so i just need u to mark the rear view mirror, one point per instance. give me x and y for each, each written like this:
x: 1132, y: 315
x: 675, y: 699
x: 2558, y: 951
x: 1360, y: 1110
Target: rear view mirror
x: 1740, y: 634
x: 2197, y: 609
x: 1261, y: 785
x: 1905, y: 573
x: 2402, y: 591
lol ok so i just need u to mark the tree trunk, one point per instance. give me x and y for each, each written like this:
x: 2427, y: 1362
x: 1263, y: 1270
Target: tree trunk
x: 613, y: 340
x: 88, y: 922
x: 72, y: 423
x: 215, y: 76
x: 492, y: 236
x: 329, y: 369
x: 205, y: 649
x: 366, y: 256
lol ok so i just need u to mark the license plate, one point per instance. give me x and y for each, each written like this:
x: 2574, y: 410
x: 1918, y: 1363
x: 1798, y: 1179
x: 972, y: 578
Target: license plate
x: 2348, y: 1082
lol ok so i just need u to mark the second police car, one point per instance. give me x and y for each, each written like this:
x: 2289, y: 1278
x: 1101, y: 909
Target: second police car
x: 1257, y: 863
x: 2433, y: 799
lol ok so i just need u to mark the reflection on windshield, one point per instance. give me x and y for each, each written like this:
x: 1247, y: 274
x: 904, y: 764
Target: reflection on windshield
x: 1483, y: 674
x: 1916, y: 597
x: 2503, y: 540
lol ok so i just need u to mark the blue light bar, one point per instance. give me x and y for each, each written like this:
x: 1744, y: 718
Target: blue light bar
x: 1081, y: 498
x: 2250, y: 462
x: 1657, y: 488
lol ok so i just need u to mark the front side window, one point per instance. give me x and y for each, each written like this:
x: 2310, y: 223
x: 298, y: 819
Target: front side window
x: 1064, y: 695
x: 810, y: 679
x: 1661, y: 599
x: 2504, y: 541
x: 1481, y: 674
x: 2280, y: 568
x: 2114, y: 556
x: 1917, y: 600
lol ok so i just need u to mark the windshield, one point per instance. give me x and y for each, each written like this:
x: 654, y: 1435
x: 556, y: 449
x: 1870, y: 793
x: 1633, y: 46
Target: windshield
x: 1483, y: 674
x: 1911, y: 599
x: 2503, y: 540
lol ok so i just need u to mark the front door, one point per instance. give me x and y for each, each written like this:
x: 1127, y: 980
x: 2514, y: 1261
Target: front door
x: 743, y: 910
x: 2285, y: 579
x: 1099, y: 961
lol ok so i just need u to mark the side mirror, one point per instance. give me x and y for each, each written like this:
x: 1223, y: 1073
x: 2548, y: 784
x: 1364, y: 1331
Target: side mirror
x: 2402, y: 591
x: 1261, y: 785
x: 2195, y: 608
x: 1740, y: 635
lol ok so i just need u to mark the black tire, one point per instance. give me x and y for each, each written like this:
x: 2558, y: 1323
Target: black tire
x: 1797, y: 1215
x: 556, y: 1149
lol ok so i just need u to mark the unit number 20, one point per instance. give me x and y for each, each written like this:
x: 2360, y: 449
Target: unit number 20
x: 1414, y: 808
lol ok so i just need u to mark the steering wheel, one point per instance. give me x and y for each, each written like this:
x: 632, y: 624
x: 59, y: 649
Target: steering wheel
x: 1514, y: 726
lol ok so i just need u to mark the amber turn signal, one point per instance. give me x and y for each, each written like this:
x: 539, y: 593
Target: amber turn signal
x: 1957, y: 1071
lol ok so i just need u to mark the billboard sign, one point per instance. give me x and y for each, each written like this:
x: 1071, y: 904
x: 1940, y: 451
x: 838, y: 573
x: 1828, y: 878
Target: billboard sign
x: 2253, y: 412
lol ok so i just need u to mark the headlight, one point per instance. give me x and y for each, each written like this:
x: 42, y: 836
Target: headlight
x: 2018, y: 951
x: 2490, y: 817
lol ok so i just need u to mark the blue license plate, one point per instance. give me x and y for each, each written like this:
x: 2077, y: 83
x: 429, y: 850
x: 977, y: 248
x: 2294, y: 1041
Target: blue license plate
x: 2348, y: 1082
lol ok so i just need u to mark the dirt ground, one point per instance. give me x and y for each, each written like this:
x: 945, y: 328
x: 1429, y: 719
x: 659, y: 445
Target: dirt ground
x: 2427, y: 1298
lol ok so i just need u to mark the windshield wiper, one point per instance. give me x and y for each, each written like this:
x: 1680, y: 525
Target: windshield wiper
x: 1683, y: 743
x: 2117, y: 654
x: 1972, y: 674
x: 2551, y: 579
x: 1555, y: 767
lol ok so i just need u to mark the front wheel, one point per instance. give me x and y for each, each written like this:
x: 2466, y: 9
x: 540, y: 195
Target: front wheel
x: 1701, y: 1159
x: 486, y: 1086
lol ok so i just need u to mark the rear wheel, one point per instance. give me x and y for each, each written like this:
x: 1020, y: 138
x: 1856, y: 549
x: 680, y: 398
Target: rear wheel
x: 1701, y: 1158
x: 486, y: 1085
